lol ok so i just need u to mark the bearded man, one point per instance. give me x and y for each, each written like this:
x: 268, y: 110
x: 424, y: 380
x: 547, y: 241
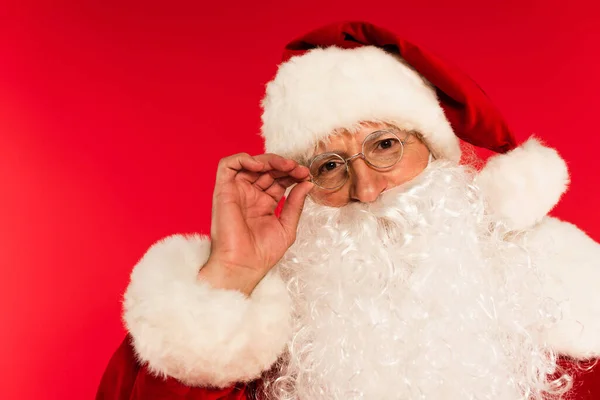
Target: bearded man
x: 394, y: 270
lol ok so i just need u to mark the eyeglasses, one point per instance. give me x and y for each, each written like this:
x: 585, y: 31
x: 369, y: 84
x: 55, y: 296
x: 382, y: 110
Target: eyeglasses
x: 381, y: 149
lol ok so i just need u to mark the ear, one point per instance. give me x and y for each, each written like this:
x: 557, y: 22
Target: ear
x: 523, y: 185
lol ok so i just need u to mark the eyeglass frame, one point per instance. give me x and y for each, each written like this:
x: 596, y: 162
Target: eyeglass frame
x: 361, y: 155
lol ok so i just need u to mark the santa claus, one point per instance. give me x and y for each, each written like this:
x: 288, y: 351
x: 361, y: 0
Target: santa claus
x: 395, y: 270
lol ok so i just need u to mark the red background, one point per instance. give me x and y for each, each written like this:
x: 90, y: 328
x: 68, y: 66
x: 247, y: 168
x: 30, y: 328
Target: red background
x: 113, y: 116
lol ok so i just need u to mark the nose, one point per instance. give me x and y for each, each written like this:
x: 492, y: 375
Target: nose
x: 366, y: 183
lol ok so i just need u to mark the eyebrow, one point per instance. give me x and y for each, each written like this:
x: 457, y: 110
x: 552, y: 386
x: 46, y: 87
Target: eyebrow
x: 343, y: 153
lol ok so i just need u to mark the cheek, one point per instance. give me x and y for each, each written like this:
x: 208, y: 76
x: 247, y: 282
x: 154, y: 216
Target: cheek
x: 412, y: 164
x: 338, y: 198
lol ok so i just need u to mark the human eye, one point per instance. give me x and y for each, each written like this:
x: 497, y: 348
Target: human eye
x: 388, y: 143
x: 384, y: 144
x: 383, y: 149
x: 327, y: 164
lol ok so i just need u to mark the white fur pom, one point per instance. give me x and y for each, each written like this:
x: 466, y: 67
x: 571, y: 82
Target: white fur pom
x: 523, y: 185
x: 202, y: 336
x: 571, y: 260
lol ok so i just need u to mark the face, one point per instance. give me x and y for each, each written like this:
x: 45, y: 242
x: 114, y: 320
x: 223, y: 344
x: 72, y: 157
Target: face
x: 365, y: 182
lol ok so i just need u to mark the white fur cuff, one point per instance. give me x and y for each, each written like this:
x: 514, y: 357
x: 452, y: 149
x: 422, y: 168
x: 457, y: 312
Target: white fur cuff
x: 572, y: 261
x: 523, y: 185
x: 202, y: 336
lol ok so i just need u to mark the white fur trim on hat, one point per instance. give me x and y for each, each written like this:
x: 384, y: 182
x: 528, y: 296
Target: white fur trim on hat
x: 523, y: 185
x: 202, y: 336
x: 572, y: 261
x: 328, y: 89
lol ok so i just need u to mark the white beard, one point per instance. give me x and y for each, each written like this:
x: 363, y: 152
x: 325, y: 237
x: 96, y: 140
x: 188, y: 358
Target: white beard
x: 416, y: 296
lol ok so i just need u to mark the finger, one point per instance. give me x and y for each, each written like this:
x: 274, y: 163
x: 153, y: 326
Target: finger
x: 295, y: 175
x: 292, y: 208
x: 300, y: 173
x: 276, y: 162
x: 230, y: 166
x: 276, y: 191
x: 248, y: 176
x: 264, y: 182
x: 279, y: 186
x: 278, y: 174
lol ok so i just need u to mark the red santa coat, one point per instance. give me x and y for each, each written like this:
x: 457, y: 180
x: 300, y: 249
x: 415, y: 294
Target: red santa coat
x: 126, y: 379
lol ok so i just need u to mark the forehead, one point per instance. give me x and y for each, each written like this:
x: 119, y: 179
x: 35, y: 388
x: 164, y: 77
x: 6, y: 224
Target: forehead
x: 343, y: 138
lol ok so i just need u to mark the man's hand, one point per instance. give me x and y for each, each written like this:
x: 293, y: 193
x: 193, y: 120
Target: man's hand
x: 247, y: 238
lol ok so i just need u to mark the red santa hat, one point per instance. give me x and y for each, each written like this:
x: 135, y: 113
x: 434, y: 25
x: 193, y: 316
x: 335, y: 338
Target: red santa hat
x: 348, y: 73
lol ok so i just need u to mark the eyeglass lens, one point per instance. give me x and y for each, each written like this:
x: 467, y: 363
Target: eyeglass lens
x: 381, y: 149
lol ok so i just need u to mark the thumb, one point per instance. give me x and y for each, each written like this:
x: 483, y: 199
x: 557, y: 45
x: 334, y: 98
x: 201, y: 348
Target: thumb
x: 292, y: 208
